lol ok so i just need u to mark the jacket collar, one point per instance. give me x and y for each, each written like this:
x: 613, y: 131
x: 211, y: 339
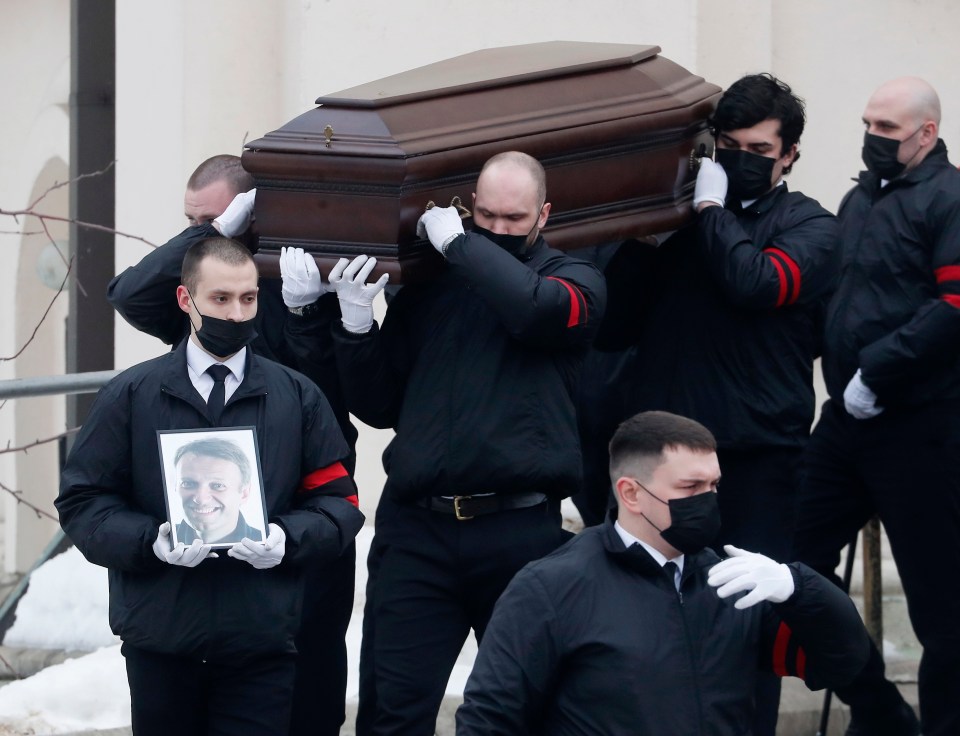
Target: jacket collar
x: 637, y: 559
x: 177, y: 380
x: 764, y: 203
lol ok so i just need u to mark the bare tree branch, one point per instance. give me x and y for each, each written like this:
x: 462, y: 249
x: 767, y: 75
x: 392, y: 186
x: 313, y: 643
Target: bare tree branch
x: 36, y: 509
x: 42, y: 318
x: 59, y: 184
x: 37, y: 443
x: 79, y: 223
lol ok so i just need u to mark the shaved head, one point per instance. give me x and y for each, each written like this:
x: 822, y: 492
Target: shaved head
x: 511, y: 196
x: 525, y: 162
x: 906, y: 109
x: 915, y: 96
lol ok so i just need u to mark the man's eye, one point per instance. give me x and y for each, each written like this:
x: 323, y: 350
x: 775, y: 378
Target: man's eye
x: 187, y: 485
x: 216, y: 486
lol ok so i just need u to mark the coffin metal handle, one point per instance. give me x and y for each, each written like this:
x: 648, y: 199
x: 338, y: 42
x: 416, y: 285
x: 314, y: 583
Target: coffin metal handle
x: 455, y: 202
x: 328, y: 134
x: 698, y: 154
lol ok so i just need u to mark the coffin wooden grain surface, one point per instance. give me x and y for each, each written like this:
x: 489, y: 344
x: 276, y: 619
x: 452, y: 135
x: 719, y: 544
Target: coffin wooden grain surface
x: 616, y: 127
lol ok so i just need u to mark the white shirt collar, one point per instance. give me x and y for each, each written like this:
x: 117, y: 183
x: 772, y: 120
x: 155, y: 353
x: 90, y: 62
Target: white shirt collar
x: 629, y: 540
x: 744, y: 203
x: 198, y: 360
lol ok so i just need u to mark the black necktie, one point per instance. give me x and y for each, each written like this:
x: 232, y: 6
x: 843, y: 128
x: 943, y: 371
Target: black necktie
x: 671, y: 569
x: 218, y: 394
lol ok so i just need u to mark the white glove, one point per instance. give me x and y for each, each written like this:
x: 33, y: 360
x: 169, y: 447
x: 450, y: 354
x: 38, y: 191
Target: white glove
x: 355, y: 295
x: 440, y: 225
x: 767, y: 580
x: 181, y: 554
x: 238, y: 215
x: 300, y: 276
x: 262, y: 555
x: 859, y: 401
x: 711, y: 184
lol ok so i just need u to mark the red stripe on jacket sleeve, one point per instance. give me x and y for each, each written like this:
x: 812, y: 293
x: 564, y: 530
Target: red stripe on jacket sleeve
x: 576, y: 296
x: 947, y: 273
x: 801, y: 664
x: 780, y: 650
x: 781, y: 274
x: 326, y: 475
x: 952, y: 299
x: 794, y: 274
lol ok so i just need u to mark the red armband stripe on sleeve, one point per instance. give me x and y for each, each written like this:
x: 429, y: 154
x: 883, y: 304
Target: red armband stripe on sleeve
x: 322, y: 476
x: 801, y: 664
x: 780, y: 646
x: 576, y: 298
x: 794, y: 273
x: 781, y: 274
x: 952, y: 299
x: 947, y: 273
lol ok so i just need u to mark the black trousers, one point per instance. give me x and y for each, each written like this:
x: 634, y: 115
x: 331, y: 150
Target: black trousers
x: 189, y: 697
x: 437, y: 578
x: 320, y: 688
x: 905, y: 467
x: 758, y: 509
x: 367, y: 686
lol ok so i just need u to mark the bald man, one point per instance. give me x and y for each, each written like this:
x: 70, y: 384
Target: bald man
x: 476, y: 372
x: 888, y: 441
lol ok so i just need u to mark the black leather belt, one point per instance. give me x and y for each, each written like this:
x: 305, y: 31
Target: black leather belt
x: 466, y: 507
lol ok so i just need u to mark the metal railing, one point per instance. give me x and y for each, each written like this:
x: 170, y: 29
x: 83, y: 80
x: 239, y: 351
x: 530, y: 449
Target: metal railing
x: 70, y: 383
x: 16, y: 388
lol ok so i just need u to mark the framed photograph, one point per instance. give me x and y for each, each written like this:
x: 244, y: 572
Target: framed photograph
x: 213, y: 485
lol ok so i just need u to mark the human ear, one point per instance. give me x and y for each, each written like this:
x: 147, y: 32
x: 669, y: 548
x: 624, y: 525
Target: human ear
x: 626, y: 490
x: 183, y: 298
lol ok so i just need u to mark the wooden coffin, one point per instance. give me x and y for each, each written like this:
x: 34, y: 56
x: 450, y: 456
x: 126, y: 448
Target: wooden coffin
x: 616, y: 126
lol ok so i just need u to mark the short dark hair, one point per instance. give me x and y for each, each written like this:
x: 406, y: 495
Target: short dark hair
x: 758, y: 97
x: 640, y: 441
x: 223, y: 167
x: 223, y: 249
x: 217, y: 448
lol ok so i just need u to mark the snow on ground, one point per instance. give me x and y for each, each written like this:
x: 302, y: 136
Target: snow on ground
x: 65, y: 607
x: 78, y: 695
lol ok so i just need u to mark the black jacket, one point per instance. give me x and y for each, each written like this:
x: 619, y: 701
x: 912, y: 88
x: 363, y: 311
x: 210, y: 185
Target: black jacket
x: 594, y: 639
x: 896, y: 313
x: 724, y: 319
x: 111, y: 504
x: 477, y: 372
x: 145, y: 295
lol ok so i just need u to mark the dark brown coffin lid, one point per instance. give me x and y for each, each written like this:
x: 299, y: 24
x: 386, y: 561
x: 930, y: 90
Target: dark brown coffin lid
x: 488, y: 69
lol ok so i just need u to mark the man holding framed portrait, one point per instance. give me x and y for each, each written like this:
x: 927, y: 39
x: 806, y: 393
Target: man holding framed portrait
x: 208, y: 623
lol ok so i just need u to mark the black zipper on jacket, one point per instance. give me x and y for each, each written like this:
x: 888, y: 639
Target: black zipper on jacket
x: 693, y: 661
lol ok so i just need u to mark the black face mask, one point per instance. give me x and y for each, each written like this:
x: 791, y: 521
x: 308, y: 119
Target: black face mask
x: 880, y: 154
x: 513, y: 244
x: 749, y: 175
x: 223, y: 338
x: 694, y: 521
